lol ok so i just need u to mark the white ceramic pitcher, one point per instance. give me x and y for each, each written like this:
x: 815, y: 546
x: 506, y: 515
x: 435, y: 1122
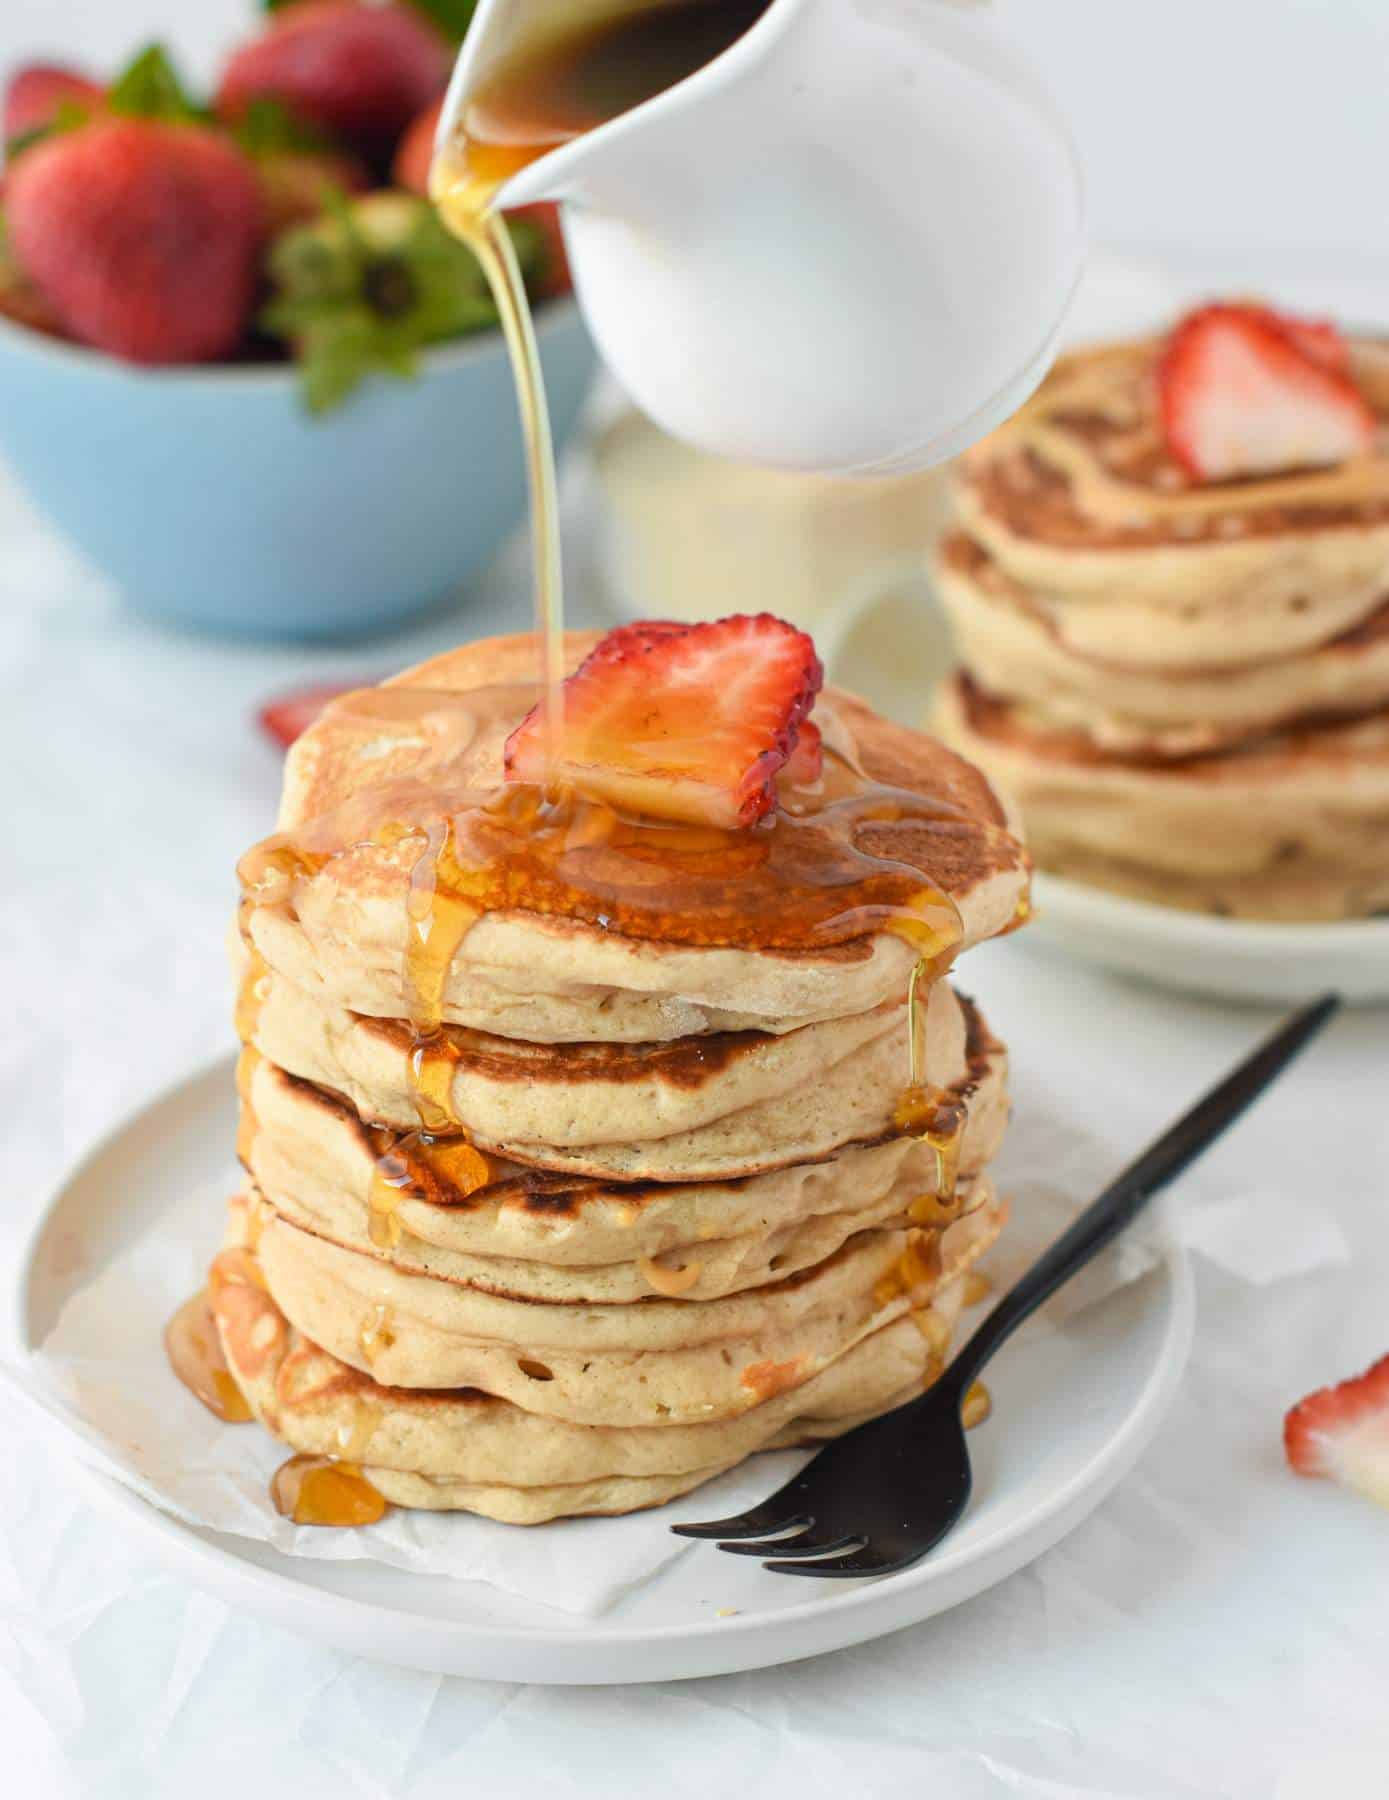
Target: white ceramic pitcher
x: 845, y: 245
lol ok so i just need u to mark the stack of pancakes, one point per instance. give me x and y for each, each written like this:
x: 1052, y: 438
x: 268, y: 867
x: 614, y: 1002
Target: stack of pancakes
x: 663, y: 1213
x: 1185, y: 685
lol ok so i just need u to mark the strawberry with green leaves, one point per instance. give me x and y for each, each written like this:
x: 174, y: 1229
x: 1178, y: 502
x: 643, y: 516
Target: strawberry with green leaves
x: 359, y: 71
x: 43, y: 95
x: 368, y: 286
x: 142, y: 236
x: 46, y: 99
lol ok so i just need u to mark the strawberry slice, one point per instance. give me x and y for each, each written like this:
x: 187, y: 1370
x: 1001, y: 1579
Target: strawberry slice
x: 289, y: 716
x: 1240, y: 395
x: 1341, y: 1433
x: 679, y: 722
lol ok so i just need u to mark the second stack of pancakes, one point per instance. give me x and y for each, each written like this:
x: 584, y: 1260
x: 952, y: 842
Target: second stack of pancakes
x: 1184, y: 683
x: 632, y: 1209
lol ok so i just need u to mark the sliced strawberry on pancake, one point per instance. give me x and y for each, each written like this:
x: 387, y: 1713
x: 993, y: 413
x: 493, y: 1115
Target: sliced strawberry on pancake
x: 1243, y: 392
x: 1341, y: 1433
x: 679, y: 722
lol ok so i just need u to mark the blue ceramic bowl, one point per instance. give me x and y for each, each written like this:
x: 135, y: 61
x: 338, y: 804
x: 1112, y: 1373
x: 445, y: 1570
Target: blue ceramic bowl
x: 211, y: 498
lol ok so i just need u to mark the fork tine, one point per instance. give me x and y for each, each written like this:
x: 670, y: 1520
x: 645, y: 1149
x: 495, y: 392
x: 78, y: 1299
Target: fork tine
x: 864, y: 1561
x: 759, y: 1522
x: 799, y: 1546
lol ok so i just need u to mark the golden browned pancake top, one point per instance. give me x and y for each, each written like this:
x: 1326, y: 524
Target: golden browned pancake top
x: 440, y: 730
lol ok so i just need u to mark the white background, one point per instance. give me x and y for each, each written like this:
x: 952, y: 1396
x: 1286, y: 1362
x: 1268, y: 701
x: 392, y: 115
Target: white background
x: 1217, y: 1629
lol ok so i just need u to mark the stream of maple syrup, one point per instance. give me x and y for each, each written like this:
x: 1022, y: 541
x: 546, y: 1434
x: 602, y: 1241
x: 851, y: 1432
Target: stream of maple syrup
x: 546, y: 92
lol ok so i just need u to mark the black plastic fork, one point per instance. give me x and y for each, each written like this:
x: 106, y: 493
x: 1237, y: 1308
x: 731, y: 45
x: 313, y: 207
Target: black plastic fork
x: 879, y: 1498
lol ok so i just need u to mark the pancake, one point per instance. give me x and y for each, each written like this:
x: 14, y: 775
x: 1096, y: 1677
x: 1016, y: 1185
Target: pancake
x: 657, y: 1362
x: 548, y: 1237
x: 1129, y: 560
x: 1014, y: 647
x: 468, y: 1451
x: 363, y: 784
x: 1293, y: 826
x: 577, y: 1162
x: 736, y: 1103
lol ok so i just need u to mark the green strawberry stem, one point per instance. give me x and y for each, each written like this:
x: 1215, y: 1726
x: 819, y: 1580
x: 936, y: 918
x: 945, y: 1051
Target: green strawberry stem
x: 364, y: 289
x: 149, y: 87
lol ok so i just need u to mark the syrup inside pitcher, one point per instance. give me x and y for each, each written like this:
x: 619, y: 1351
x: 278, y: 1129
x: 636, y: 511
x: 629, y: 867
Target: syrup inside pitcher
x: 553, y: 91
x: 823, y: 235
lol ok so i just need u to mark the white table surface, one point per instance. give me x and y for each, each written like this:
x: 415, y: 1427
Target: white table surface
x: 1217, y: 1628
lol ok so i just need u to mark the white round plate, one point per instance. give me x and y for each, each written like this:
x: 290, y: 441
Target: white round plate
x: 1243, y: 959
x: 1073, y: 1408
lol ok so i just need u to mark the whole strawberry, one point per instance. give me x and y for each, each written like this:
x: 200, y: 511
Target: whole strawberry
x: 37, y: 94
x: 143, y: 236
x: 361, y: 72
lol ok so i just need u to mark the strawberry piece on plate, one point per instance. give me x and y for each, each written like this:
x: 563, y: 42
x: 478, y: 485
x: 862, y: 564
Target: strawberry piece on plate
x: 289, y: 716
x: 1240, y: 396
x: 1342, y: 1433
x: 690, y: 723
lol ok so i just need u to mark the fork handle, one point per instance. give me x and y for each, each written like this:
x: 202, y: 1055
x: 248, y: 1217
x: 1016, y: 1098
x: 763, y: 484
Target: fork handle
x: 1125, y: 1198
